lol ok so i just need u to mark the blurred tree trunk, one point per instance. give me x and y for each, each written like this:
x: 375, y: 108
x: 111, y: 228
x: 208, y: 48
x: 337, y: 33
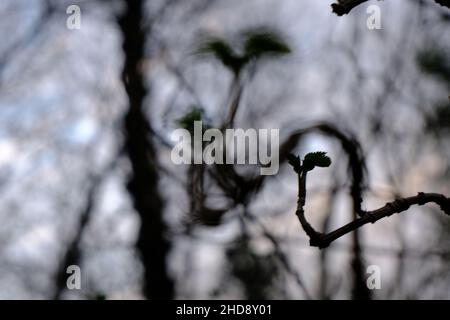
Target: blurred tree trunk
x: 143, y: 182
x: 360, y: 290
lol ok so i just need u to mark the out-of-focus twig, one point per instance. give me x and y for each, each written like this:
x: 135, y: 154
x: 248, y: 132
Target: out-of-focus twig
x: 72, y: 255
x: 282, y: 256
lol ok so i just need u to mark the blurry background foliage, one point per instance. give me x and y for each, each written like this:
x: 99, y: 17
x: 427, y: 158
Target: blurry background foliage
x: 85, y: 170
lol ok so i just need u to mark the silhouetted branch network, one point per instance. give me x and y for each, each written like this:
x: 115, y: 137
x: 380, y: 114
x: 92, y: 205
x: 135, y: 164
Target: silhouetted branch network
x: 73, y: 251
x: 323, y: 240
x: 342, y: 7
x: 282, y: 257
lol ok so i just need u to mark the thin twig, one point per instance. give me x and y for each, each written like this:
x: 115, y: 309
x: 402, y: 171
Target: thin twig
x: 323, y: 240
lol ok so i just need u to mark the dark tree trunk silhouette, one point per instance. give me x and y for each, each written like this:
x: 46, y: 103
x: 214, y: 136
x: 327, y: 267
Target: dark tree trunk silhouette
x: 143, y: 182
x: 360, y: 290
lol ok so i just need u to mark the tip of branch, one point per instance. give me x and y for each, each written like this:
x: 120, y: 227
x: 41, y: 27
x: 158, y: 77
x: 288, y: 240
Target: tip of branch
x: 446, y: 207
x: 339, y: 9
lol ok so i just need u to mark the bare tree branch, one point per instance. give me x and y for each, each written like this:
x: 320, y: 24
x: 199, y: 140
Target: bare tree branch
x: 444, y: 3
x: 322, y: 240
x: 345, y: 6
